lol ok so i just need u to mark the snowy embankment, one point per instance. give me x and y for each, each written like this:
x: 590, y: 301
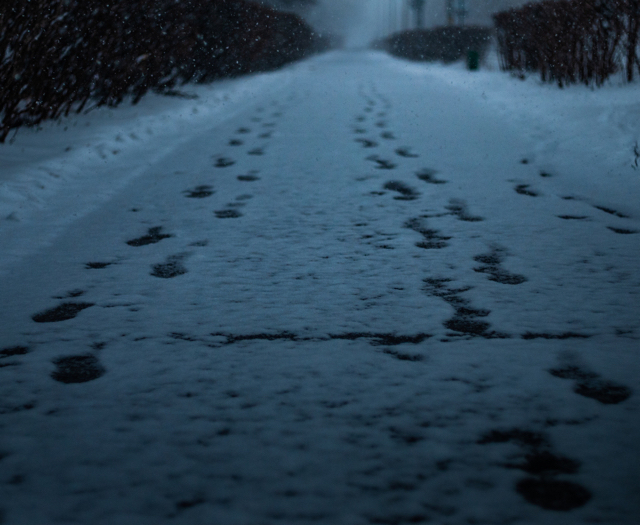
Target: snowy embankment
x: 355, y: 291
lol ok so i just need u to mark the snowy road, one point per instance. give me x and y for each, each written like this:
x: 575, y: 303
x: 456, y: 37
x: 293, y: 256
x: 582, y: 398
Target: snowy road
x: 361, y: 295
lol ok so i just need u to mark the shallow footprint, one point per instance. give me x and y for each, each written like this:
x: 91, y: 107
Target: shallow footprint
x: 63, y: 312
x: 407, y: 193
x: 248, y: 178
x: 429, y: 176
x: 523, y: 189
x: 173, y: 267
x: 405, y: 152
x: 591, y: 385
x: 77, y: 369
x: 553, y: 494
x: 223, y: 162
x: 228, y: 214
x: 199, y: 192
x: 235, y: 142
x: 611, y: 212
x: 366, y: 143
x: 382, y: 163
x: 97, y: 265
x: 458, y: 208
x: 256, y: 151
x: 13, y: 351
x: 153, y: 236
x: 622, y: 231
x: 491, y: 266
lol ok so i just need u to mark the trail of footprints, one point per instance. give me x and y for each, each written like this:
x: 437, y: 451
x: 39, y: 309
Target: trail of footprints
x: 541, y: 487
x: 87, y: 367
x: 542, y: 465
x: 528, y: 191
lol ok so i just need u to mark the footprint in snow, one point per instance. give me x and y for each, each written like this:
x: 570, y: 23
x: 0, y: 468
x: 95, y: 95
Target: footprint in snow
x: 235, y: 142
x: 256, y: 151
x: 407, y: 193
x: 591, y: 385
x: 433, y: 240
x: 553, y: 494
x: 77, y: 369
x: 523, y: 189
x: 243, y: 131
x: 611, y: 212
x: 406, y: 152
x: 543, y: 490
x: 248, y: 178
x: 223, y: 162
x: 622, y: 231
x: 153, y: 236
x: 458, y: 208
x: 62, y: 312
x: 13, y: 351
x: 97, y: 265
x: 228, y: 214
x: 382, y: 164
x: 70, y: 294
x: 491, y: 265
x: 429, y: 176
x: 366, y: 143
x: 199, y: 192
x: 465, y: 320
x: 173, y: 267
x: 388, y: 135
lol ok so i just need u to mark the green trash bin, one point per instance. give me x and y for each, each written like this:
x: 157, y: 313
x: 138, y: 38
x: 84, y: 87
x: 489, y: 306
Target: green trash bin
x: 473, y: 60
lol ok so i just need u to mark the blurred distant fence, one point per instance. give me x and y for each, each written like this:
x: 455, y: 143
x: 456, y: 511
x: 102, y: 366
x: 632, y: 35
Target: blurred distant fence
x: 57, y: 55
x: 447, y: 44
x: 571, y: 41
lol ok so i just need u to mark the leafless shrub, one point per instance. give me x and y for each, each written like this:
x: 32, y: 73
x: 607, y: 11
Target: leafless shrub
x: 571, y: 41
x: 56, y: 55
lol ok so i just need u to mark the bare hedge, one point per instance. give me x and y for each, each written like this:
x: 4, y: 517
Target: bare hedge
x: 571, y: 41
x: 57, y: 55
x: 447, y: 44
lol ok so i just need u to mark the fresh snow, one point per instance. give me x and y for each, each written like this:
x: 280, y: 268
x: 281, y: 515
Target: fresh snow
x: 358, y: 290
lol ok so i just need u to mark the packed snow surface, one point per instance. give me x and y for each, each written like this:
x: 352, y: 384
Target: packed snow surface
x: 354, y: 291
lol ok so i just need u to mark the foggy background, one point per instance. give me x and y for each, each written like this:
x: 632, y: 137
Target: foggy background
x: 361, y: 21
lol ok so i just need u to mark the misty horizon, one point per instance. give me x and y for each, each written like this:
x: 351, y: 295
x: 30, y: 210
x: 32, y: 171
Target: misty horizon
x: 359, y: 22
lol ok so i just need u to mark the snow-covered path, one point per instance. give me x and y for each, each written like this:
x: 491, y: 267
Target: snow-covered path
x: 365, y: 295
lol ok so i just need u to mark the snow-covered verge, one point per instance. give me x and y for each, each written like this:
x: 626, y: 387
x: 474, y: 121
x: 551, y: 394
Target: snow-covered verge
x: 360, y: 291
x: 59, y: 171
x: 591, y: 135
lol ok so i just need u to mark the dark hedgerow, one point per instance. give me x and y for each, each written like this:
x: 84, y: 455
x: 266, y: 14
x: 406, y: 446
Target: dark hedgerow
x: 447, y: 44
x: 57, y: 55
x: 571, y: 41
